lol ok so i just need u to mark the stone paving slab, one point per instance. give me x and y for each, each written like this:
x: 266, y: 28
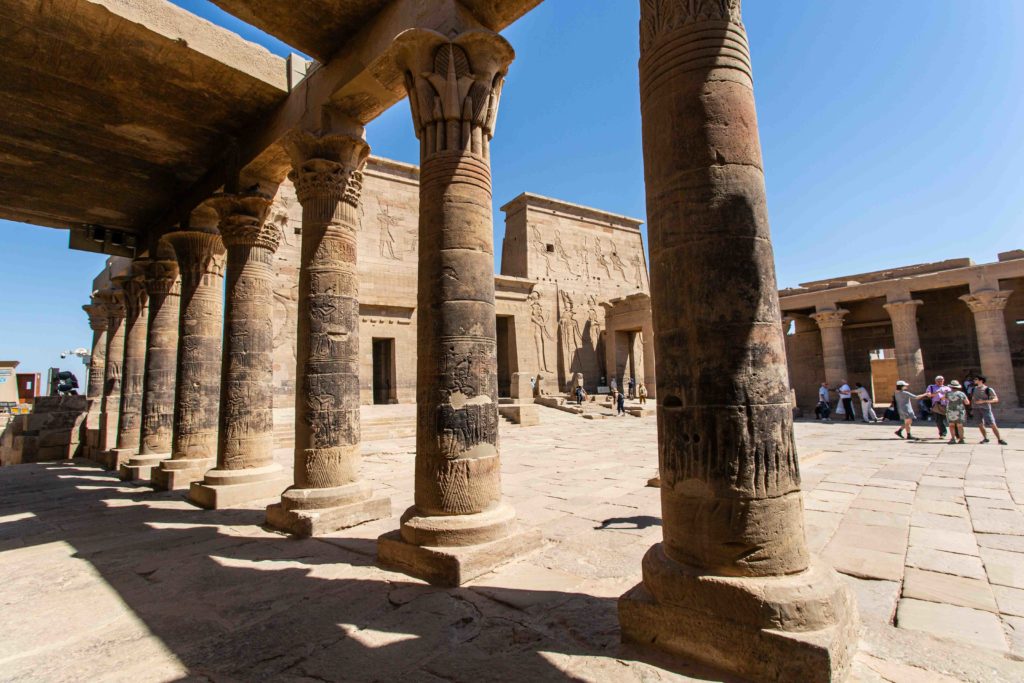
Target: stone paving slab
x: 111, y: 581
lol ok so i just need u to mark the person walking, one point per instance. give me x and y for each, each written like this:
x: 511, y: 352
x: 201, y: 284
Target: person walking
x: 642, y: 393
x: 984, y: 398
x: 956, y: 412
x: 621, y: 404
x: 936, y: 393
x: 846, y: 396
x: 632, y: 387
x: 579, y: 396
x: 867, y: 408
x: 822, y: 410
x: 905, y: 406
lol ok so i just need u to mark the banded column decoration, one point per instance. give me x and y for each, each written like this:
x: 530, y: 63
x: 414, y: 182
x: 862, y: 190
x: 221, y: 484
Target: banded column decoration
x: 163, y: 285
x: 732, y: 583
x: 133, y: 369
x: 114, y: 306
x: 98, y: 356
x: 994, y: 345
x: 327, y: 493
x: 459, y: 526
x: 245, y: 469
x: 909, y: 358
x: 200, y: 256
x: 830, y: 323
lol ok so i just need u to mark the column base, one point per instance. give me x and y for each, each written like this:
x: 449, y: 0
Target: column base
x: 115, y: 457
x: 175, y: 475
x: 461, y: 547
x: 140, y: 467
x: 316, y: 512
x: 799, y: 627
x: 227, y: 488
x: 655, y: 481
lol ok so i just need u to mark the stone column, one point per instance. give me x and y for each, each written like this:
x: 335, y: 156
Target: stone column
x: 98, y: 356
x: 164, y: 289
x: 200, y: 256
x: 97, y: 366
x: 327, y: 493
x: 833, y: 352
x: 111, y: 403
x: 133, y: 367
x: 459, y: 526
x: 909, y: 358
x: 994, y: 346
x: 246, y: 470
x: 732, y: 583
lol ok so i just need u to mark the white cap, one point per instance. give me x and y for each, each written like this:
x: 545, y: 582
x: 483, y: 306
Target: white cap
x: 901, y: 383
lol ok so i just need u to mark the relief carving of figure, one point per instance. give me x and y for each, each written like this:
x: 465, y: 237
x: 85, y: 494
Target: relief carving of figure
x: 537, y: 242
x: 602, y: 260
x: 562, y: 254
x: 571, y: 337
x: 541, y: 333
x: 286, y: 299
x: 593, y: 321
x: 619, y: 265
x: 387, y: 237
x: 638, y: 270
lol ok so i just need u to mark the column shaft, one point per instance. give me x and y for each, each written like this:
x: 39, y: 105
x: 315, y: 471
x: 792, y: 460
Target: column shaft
x: 200, y: 257
x: 909, y: 358
x: 327, y: 493
x: 111, y: 403
x: 155, y: 435
x: 98, y: 355
x: 994, y: 344
x: 133, y: 369
x: 833, y: 350
x: 245, y: 469
x: 733, y: 578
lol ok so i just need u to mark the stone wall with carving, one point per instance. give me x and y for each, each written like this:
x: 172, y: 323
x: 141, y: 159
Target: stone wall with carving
x: 581, y: 258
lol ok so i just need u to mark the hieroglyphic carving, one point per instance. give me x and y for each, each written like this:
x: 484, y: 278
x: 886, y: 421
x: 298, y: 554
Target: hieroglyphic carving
x: 387, y: 238
x: 563, y: 255
x: 136, y: 300
x: 599, y: 256
x: 539, y: 246
x: 570, y: 336
x: 541, y: 332
x: 618, y: 265
x: 659, y: 17
x: 164, y: 287
x: 327, y: 173
x: 638, y: 270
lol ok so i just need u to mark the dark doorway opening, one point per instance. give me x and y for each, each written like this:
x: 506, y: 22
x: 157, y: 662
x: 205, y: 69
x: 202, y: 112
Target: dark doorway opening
x: 506, y: 349
x: 384, y: 371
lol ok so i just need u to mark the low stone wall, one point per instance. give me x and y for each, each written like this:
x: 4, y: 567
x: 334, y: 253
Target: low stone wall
x: 52, y: 431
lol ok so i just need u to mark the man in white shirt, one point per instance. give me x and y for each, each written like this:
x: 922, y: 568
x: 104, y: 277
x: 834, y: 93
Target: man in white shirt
x: 846, y: 396
x: 823, y: 410
x: 867, y: 409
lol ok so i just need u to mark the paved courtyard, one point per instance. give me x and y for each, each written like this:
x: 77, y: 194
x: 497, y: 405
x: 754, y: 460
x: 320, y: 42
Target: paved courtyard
x: 104, y: 581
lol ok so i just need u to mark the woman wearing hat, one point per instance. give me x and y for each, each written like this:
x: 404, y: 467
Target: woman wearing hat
x: 956, y: 411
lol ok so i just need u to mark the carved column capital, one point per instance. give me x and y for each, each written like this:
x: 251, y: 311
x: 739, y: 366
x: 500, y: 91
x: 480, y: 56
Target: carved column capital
x: 830, y: 319
x: 112, y: 302
x: 659, y: 17
x: 162, y: 277
x: 134, y: 286
x: 243, y: 220
x: 454, y: 87
x: 987, y: 300
x: 199, y: 253
x: 327, y: 167
x: 906, y: 307
x: 97, y: 316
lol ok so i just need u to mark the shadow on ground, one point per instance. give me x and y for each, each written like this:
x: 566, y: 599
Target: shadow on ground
x: 229, y: 601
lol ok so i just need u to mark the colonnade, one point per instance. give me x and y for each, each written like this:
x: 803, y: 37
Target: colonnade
x: 733, y: 582
x: 986, y: 302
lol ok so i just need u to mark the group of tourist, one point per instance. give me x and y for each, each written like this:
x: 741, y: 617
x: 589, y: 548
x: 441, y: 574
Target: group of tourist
x: 949, y: 405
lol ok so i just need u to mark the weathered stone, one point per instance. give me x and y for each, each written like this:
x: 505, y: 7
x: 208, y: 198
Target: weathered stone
x: 953, y: 622
x: 200, y: 256
x: 245, y: 469
x: 163, y: 286
x: 458, y: 519
x: 732, y: 584
x: 133, y: 366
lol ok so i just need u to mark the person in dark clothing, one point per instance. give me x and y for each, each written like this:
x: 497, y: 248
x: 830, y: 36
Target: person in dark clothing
x: 621, y: 404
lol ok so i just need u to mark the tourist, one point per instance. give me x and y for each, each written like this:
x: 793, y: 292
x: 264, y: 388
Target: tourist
x: 632, y: 388
x: 984, y: 398
x: 969, y: 390
x: 642, y: 393
x: 620, y: 403
x: 614, y: 385
x: 936, y: 393
x: 905, y: 406
x: 846, y: 396
x: 867, y: 408
x: 956, y: 411
x: 822, y: 410
x: 579, y: 396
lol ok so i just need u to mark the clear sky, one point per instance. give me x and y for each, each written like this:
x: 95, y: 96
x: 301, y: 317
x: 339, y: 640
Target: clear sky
x: 892, y: 134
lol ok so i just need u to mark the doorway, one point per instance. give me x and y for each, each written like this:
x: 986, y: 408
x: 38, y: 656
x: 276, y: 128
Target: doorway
x: 506, y: 344
x: 384, y: 390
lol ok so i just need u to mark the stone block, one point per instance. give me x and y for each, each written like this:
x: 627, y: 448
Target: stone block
x: 218, y: 496
x: 321, y: 521
x: 140, y: 467
x: 952, y: 621
x: 454, y: 565
x: 176, y: 475
x: 954, y: 590
x: 800, y: 627
x: 524, y: 415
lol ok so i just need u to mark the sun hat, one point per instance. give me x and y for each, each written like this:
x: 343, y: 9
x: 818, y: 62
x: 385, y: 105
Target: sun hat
x: 901, y: 383
x: 955, y: 384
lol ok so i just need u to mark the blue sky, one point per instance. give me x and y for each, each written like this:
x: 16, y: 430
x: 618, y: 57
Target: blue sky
x: 891, y: 133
